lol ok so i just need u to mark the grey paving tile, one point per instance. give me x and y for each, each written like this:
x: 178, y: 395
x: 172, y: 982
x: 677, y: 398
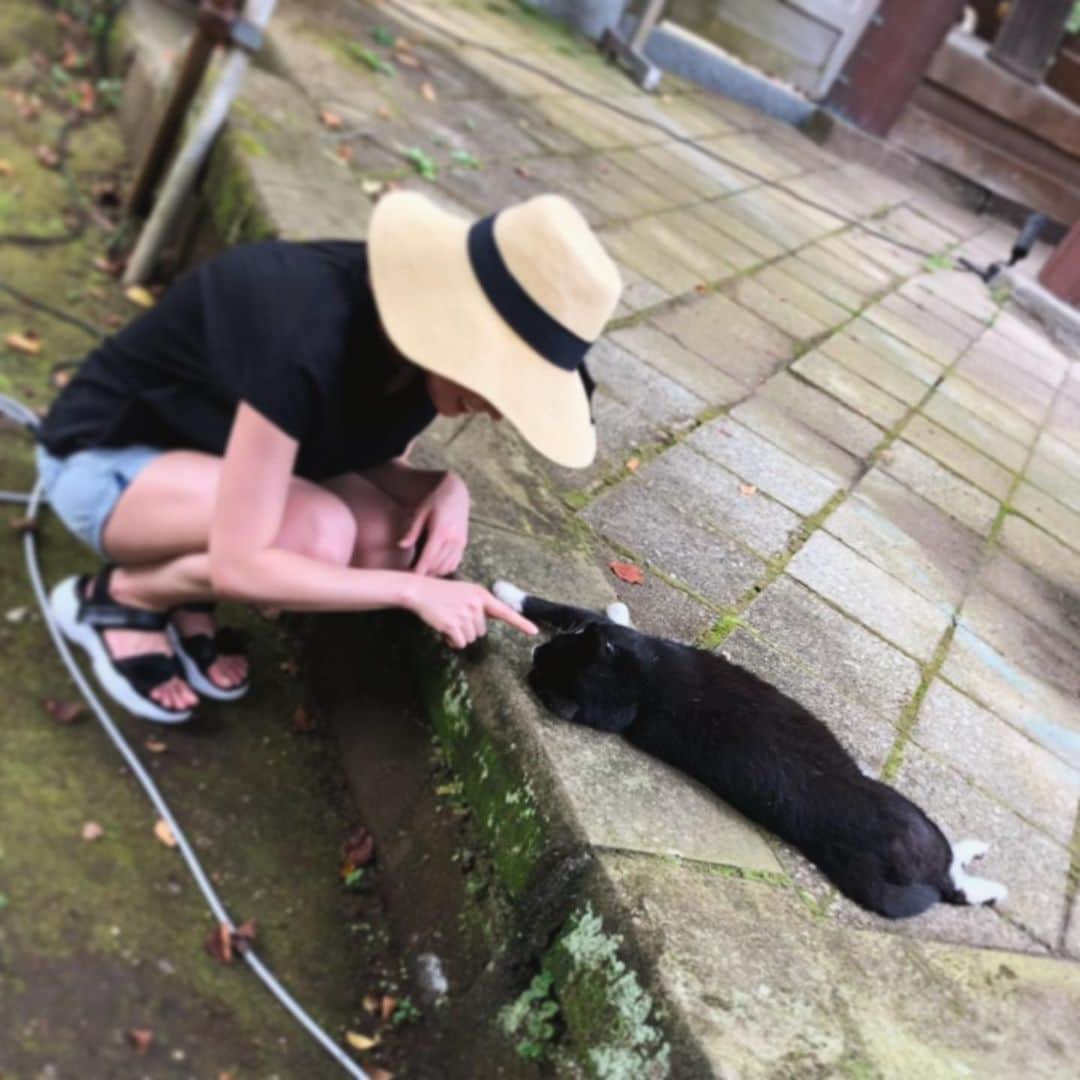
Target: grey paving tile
x: 1072, y: 930
x: 698, y: 487
x: 1054, y: 481
x: 876, y: 599
x: 793, y: 436
x: 761, y: 463
x: 1042, y: 552
x: 871, y: 337
x: 862, y: 667
x: 980, y: 434
x: 958, y: 456
x: 1032, y: 867
x: 1008, y: 383
x: 750, y: 293
x: 1052, y: 607
x: 914, y: 331
x: 1009, y: 766
x: 866, y: 734
x: 997, y: 414
x: 1049, y: 514
x: 690, y: 370
x: 874, y: 368
x: 840, y: 425
x: 853, y: 390
x: 948, y: 492
x: 680, y: 546
x: 659, y: 608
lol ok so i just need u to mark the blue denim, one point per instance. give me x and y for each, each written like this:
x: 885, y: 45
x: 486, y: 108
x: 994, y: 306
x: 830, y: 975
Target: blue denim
x: 84, y: 488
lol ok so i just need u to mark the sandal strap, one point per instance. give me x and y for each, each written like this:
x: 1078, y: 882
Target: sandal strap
x: 102, y: 612
x: 204, y: 649
x: 148, y: 671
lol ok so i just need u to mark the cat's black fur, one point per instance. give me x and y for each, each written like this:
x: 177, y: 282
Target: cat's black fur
x: 753, y: 746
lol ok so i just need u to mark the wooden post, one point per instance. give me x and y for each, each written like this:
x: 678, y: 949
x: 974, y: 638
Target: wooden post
x: 1029, y: 40
x: 1061, y: 274
x: 887, y: 65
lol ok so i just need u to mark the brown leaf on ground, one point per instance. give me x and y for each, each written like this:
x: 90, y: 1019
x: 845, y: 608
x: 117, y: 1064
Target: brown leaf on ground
x: 27, y: 342
x: 140, y: 1039
x: 379, y: 1074
x: 523, y: 172
x: 47, y: 156
x: 887, y: 456
x: 6, y: 168
x: 71, y: 57
x: 156, y: 746
x: 406, y: 59
x: 427, y: 91
x: 345, y: 152
x: 387, y: 1007
x: 358, y: 850
x: 633, y: 464
x: 64, y: 712
x: 370, y: 1003
x: 749, y: 490
x: 330, y: 119
x: 701, y: 290
x: 361, y: 1042
x: 87, y: 98
x: 164, y: 833
x: 304, y: 721
x: 92, y: 831
x: 218, y: 944
x: 628, y: 572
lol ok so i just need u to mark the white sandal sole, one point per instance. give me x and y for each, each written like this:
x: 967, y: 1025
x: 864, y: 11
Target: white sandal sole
x: 197, y: 680
x: 64, y: 604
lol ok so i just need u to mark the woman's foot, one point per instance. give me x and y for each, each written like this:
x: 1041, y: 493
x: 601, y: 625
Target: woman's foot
x: 174, y: 694
x: 228, y: 670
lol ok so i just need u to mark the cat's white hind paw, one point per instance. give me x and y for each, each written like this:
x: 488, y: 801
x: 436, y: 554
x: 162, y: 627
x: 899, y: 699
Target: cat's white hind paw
x: 510, y: 594
x: 979, y: 890
x: 619, y: 613
x: 969, y: 850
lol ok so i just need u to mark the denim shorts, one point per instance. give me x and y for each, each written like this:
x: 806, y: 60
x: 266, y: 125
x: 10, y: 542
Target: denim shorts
x: 84, y: 488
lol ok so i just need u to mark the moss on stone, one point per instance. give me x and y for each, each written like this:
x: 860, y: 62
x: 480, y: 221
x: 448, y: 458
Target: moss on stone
x: 234, y: 205
x: 25, y: 27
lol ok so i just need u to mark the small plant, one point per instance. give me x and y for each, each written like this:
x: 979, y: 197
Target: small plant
x: 354, y: 879
x: 937, y: 262
x: 531, y: 1018
x: 405, y: 1013
x: 423, y: 162
x: 372, y: 59
x: 384, y: 37
x: 465, y: 159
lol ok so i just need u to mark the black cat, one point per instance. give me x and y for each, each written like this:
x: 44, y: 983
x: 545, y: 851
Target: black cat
x: 754, y: 747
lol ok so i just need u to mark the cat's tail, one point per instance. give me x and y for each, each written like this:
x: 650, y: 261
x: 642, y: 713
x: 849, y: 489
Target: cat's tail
x: 860, y: 876
x: 559, y: 616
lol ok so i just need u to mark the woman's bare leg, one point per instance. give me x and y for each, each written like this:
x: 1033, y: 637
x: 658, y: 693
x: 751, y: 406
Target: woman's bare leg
x: 158, y: 535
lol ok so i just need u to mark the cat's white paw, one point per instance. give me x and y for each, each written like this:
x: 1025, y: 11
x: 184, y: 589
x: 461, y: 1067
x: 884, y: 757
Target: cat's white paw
x: 619, y: 613
x: 975, y: 890
x: 510, y: 594
x: 969, y: 850
x: 979, y: 890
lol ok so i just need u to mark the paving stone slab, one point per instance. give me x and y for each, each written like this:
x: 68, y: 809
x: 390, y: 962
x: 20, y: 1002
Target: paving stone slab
x: 1049, y: 369
x: 638, y: 292
x: 958, y: 456
x: 1040, y: 600
x: 958, y: 290
x: 913, y: 557
x: 882, y: 254
x: 1032, y: 867
x: 636, y: 251
x: 857, y: 664
x: 768, y: 990
x: 934, y: 306
x: 801, y: 442
x: 1008, y: 383
x: 659, y: 608
x: 695, y: 232
x: 751, y: 294
x: 950, y: 339
x: 875, y: 369
x: 705, y: 262
x: 1051, y: 515
x: 989, y: 409
x: 838, y: 256
x: 690, y: 370
x: 693, y: 169
x: 946, y: 490
x: 698, y: 486
x: 763, y: 464
x: 872, y: 596
x: 735, y: 339
x: 1045, y: 475
x: 809, y: 301
x: 919, y: 338
x: 753, y: 153
x: 1036, y: 707
x: 1064, y: 422
x: 982, y: 434
x: 715, y: 215
x: 915, y: 228
x: 1022, y: 330
x: 897, y: 352
x: 853, y: 390
x: 1042, y: 552
x: 710, y: 564
x: 1007, y: 765
x: 825, y: 415
x: 1072, y: 931
x: 822, y: 276
x: 763, y: 214
x: 1058, y: 453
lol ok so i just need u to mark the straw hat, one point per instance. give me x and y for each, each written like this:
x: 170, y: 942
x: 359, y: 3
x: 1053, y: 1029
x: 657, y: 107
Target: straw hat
x: 506, y: 307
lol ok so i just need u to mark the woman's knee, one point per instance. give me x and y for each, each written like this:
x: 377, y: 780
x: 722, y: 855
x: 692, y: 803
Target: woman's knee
x: 320, y: 526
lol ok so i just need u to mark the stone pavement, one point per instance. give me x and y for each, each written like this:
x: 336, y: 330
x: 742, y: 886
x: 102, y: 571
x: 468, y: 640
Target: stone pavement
x: 849, y: 469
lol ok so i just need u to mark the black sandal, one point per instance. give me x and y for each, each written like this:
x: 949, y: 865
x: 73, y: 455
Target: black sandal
x: 198, y: 652
x: 83, y: 619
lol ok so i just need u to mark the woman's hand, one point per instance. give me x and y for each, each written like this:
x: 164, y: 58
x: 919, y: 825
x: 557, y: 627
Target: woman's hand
x: 444, y: 514
x: 459, y: 610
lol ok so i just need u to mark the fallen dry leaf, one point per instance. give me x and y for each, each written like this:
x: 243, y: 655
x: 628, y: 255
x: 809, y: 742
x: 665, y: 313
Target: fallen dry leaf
x: 330, y: 119
x: 218, y: 944
x: 87, y: 98
x: 70, y: 58
x: 156, y: 746
x: 427, y: 91
x: 370, y: 1003
x: 140, y: 295
x: 27, y: 342
x: 887, y: 456
x: 304, y: 720
x: 628, y: 572
x: 701, y: 290
x: 92, y: 831
x: 345, y: 152
x: 164, y: 833
x: 140, y: 1039
x: 406, y: 59
x: 47, y: 156
x: 748, y: 490
x: 358, y: 850
x: 633, y: 464
x: 387, y: 1006
x: 64, y: 712
x: 361, y: 1042
x: 523, y: 172
x: 6, y: 168
x: 379, y: 1074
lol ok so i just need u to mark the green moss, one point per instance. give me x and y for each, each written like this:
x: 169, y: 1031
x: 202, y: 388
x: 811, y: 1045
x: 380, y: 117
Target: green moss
x: 235, y: 207
x: 26, y: 27
x: 609, y: 1017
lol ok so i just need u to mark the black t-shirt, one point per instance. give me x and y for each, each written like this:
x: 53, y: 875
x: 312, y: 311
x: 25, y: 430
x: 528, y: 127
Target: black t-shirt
x: 289, y: 328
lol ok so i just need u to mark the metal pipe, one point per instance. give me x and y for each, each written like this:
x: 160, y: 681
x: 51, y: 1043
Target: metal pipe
x: 185, y: 168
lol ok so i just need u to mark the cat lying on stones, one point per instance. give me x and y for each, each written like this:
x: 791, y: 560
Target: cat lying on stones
x: 754, y: 747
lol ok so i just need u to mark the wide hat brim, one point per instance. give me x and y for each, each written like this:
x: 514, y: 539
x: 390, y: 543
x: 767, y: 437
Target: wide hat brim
x: 435, y: 312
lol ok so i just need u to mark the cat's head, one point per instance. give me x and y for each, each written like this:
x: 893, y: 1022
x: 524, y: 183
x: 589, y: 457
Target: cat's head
x: 591, y: 676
